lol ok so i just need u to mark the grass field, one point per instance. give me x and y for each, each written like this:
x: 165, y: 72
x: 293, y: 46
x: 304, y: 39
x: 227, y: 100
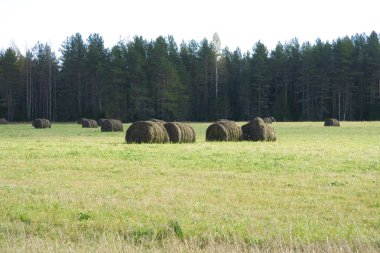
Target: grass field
x: 69, y: 189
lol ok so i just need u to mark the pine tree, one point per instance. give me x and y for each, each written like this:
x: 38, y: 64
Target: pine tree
x: 260, y: 80
x: 10, y: 83
x: 96, y: 75
x: 72, y: 92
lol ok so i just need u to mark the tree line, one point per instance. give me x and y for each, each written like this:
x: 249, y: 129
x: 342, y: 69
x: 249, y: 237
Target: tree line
x: 195, y: 81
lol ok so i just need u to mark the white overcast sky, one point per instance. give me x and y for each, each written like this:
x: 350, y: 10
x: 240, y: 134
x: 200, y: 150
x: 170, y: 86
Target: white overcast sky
x: 239, y: 23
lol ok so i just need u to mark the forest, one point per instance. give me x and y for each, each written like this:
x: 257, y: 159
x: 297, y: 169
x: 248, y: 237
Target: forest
x: 193, y: 81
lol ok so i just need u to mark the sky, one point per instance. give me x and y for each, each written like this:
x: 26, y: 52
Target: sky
x: 239, y: 23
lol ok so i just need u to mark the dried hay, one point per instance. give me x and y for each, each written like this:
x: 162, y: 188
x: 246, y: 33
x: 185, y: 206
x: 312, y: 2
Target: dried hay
x: 158, y: 121
x: 258, y: 130
x: 180, y: 132
x: 146, y: 132
x: 80, y: 121
x: 332, y: 122
x: 223, y: 130
x: 268, y: 120
x: 89, y: 123
x: 3, y: 121
x: 112, y: 125
x: 100, y: 121
x: 41, y: 123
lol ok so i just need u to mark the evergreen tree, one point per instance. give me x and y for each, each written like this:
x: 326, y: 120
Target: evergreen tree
x: 140, y: 103
x: 43, y: 82
x: 138, y: 80
x: 10, y: 83
x: 96, y: 65
x: 342, y: 79
x: 72, y: 91
x: 280, y: 83
x: 372, y: 66
x: 260, y: 80
x: 164, y: 82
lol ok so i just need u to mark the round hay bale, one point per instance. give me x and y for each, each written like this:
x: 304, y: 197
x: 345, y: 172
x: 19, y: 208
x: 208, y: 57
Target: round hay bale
x: 112, y: 125
x: 271, y: 134
x: 258, y: 130
x: 89, y: 123
x: 3, y: 121
x: 146, y: 132
x: 216, y: 132
x: 180, y: 132
x: 41, y: 123
x: 158, y: 121
x: 100, y: 121
x: 332, y: 122
x: 80, y: 121
x: 234, y: 131
x: 268, y: 120
x: 223, y: 130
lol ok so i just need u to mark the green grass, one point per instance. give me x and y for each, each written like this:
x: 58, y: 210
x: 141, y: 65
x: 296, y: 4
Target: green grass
x: 74, y: 189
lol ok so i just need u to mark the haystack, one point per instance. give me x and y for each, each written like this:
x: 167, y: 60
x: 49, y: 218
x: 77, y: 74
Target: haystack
x: 258, y: 130
x: 41, y: 123
x: 223, y: 130
x: 3, y: 121
x: 112, y: 125
x: 180, y: 132
x: 146, y: 132
x: 268, y: 120
x: 332, y: 122
x: 89, y: 123
x: 162, y: 122
x: 80, y: 121
x: 100, y: 121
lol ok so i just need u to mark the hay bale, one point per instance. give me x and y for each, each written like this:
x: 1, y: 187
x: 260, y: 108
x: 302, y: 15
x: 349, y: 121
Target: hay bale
x: 3, y: 121
x: 100, y: 121
x: 112, y: 125
x: 268, y: 120
x: 180, y: 132
x: 223, y: 130
x: 146, y: 132
x: 332, y: 122
x: 41, y: 123
x: 271, y: 134
x: 273, y: 119
x: 80, y: 121
x: 89, y: 123
x: 258, y: 130
x: 162, y: 122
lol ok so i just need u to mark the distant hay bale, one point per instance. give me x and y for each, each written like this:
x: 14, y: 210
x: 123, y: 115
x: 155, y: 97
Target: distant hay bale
x: 268, y: 120
x: 3, y: 121
x: 223, y: 130
x: 258, y: 130
x: 41, y: 123
x: 100, y: 121
x: 80, y: 121
x: 146, y: 132
x: 179, y: 132
x: 332, y: 122
x: 272, y: 134
x: 158, y: 121
x: 89, y: 123
x: 112, y: 125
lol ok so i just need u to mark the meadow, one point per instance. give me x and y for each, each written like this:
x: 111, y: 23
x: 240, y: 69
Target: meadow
x: 71, y: 189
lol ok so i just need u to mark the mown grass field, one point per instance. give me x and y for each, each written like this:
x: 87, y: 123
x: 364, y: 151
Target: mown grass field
x: 68, y: 189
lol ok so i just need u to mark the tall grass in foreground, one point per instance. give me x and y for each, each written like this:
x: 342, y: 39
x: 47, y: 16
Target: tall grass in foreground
x: 74, y: 189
